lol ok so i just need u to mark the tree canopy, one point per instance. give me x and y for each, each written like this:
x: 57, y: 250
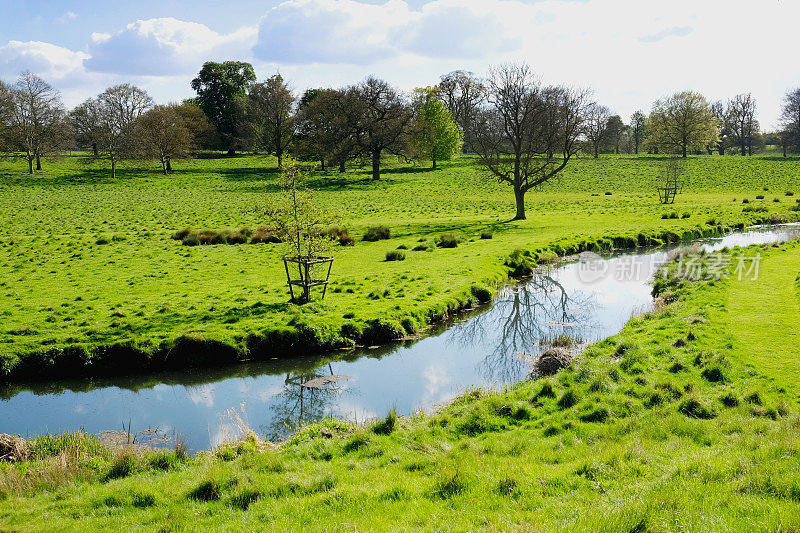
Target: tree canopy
x: 221, y: 92
x: 435, y: 134
x: 682, y: 123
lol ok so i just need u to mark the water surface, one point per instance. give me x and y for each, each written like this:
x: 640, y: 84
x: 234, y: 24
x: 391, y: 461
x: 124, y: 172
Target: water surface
x: 589, y: 300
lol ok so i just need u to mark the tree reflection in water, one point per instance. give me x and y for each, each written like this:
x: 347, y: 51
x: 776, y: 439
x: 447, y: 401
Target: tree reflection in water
x: 297, y: 404
x: 522, y: 319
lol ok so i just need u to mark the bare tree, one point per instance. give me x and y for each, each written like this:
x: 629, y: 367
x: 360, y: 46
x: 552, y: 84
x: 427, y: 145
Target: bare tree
x: 722, y: 121
x: 790, y: 118
x: 527, y: 133
x: 36, y: 122
x: 161, y: 134
x: 741, y: 118
x: 377, y: 117
x: 462, y: 92
x: 119, y: 107
x: 596, y: 128
x: 270, y: 106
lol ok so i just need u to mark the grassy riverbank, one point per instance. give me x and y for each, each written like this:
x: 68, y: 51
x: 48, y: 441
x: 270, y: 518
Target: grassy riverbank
x: 686, y: 420
x: 92, y: 283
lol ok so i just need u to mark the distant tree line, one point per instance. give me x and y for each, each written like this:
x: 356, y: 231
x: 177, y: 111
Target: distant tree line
x: 522, y: 132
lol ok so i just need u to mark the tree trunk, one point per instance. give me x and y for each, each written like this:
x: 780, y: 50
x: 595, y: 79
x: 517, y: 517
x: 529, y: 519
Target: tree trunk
x: 95, y: 151
x: 169, y: 165
x: 376, y: 165
x: 684, y: 151
x: 38, y: 163
x: 341, y: 166
x: 519, y: 195
x: 434, y: 164
x: 231, y: 151
x: 113, y: 168
x: 596, y: 152
x: 322, y: 164
x: 30, y: 166
x: 280, y: 158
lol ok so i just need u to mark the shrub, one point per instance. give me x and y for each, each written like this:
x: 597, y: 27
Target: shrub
x: 713, y: 374
x: 181, y: 234
x: 482, y: 294
x: 450, y: 484
x: 420, y: 248
x: 546, y: 391
x: 355, y: 443
x: 568, y: 399
x: 410, y: 324
x: 447, y: 240
x: 686, y: 215
x: 789, y: 193
x: 264, y: 235
x: 486, y: 235
x: 692, y: 408
x: 759, y: 197
x: 387, y: 425
x: 190, y: 240
x: 599, y: 414
x: 142, y: 500
x: 376, y: 233
x: 122, y: 466
x: 245, y: 498
x: 520, y: 263
x: 395, y: 255
x: 237, y: 238
x: 101, y: 240
x: 206, y: 491
x: 341, y: 235
x: 729, y: 400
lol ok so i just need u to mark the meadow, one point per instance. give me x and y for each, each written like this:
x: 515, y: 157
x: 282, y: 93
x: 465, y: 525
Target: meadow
x: 686, y: 420
x: 92, y: 282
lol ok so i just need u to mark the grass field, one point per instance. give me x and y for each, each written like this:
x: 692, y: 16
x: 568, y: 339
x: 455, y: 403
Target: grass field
x: 686, y: 420
x: 91, y: 282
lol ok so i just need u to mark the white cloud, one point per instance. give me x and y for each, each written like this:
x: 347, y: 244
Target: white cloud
x: 675, y: 31
x: 45, y: 59
x: 330, y: 31
x: 629, y: 51
x: 66, y: 17
x: 163, y: 47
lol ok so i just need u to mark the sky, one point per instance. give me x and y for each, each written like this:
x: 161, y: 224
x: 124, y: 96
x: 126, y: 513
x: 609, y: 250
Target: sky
x: 628, y: 52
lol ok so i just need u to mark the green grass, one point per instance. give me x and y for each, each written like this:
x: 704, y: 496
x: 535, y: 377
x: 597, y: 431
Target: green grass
x: 92, y: 282
x: 633, y: 436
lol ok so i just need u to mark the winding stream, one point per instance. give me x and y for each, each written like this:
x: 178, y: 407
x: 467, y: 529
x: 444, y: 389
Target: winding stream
x: 589, y: 300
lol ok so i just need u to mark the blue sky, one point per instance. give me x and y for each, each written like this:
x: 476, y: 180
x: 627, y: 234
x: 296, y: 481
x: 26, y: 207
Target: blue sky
x: 630, y: 52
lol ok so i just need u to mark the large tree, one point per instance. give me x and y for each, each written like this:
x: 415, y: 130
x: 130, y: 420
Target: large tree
x: 221, y: 93
x: 527, y: 132
x: 741, y: 116
x: 378, y: 118
x: 615, y: 131
x: 36, y: 120
x: 790, y: 119
x: 434, y: 134
x: 204, y: 134
x: 323, y: 132
x: 270, y: 116
x: 638, y: 130
x: 596, y: 126
x: 462, y: 92
x: 161, y: 134
x: 682, y: 123
x: 722, y: 122
x: 119, y: 107
x: 86, y: 121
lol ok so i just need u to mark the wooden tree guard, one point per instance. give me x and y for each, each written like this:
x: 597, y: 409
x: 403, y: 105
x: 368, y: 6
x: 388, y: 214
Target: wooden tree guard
x: 305, y: 275
x: 671, y: 188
